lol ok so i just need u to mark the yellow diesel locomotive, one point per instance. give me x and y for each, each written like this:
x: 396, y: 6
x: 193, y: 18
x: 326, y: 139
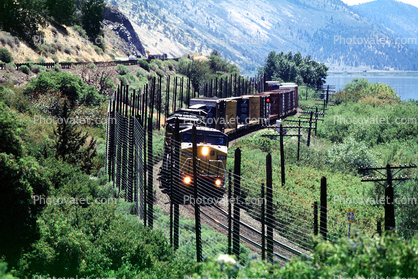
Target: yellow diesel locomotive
x: 212, y: 150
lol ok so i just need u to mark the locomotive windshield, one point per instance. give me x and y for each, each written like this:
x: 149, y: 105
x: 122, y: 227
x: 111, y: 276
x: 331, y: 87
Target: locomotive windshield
x: 214, y: 140
x: 188, y: 138
x: 209, y: 139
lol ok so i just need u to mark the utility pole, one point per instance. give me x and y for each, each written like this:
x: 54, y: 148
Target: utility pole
x: 389, y: 177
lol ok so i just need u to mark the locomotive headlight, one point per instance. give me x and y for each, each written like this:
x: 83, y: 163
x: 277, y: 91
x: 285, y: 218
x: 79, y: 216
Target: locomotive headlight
x: 218, y: 182
x: 187, y: 180
x: 205, y: 151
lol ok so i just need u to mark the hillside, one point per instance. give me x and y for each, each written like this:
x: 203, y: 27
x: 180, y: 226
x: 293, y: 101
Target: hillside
x: 60, y: 44
x: 399, y: 18
x: 245, y: 31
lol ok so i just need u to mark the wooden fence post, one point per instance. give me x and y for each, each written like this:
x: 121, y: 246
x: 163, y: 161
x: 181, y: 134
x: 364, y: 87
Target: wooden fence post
x: 269, y: 211
x: 324, y: 208
x: 196, y: 195
x: 237, y: 195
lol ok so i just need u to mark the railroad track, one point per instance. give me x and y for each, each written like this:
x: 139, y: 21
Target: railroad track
x: 216, y: 217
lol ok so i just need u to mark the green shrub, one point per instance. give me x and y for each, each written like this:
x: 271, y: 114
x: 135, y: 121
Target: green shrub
x: 98, y: 50
x: 123, y: 70
x: 66, y: 84
x: 123, y: 80
x: 5, y: 55
x: 24, y: 69
x: 7, y: 95
x: 10, y: 67
x: 351, y: 153
x: 160, y: 73
x: 38, y: 69
x: 171, y: 65
x: 55, y: 58
x: 91, y: 65
x: 153, y: 67
x: 57, y: 67
x: 361, y: 90
x: 359, y: 257
x: 144, y: 64
x: 80, y: 31
x: 132, y: 78
x: 140, y: 74
x: 368, y: 123
x: 41, y: 60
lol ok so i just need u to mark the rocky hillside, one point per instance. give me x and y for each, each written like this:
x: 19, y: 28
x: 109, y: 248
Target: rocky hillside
x: 245, y: 31
x: 122, y: 28
x: 60, y: 44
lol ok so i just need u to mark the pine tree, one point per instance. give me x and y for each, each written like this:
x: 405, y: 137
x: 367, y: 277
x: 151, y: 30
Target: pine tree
x: 92, y: 17
x: 69, y: 143
x: 63, y: 11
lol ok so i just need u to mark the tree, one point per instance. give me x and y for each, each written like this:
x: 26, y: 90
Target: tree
x: 20, y: 180
x: 62, y: 11
x: 92, y: 17
x: 69, y: 143
x: 22, y: 18
x: 294, y: 68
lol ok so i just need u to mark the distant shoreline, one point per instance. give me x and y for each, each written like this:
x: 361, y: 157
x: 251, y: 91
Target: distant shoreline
x: 376, y: 73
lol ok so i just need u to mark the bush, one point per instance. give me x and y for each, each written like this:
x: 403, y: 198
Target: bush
x: 67, y: 50
x: 7, y: 95
x: 373, y: 125
x: 171, y: 65
x: 132, y: 78
x: 10, y: 67
x: 144, y: 64
x: 361, y: 90
x: 91, y: 65
x: 160, y: 73
x: 5, y: 55
x: 64, y: 83
x: 351, y: 153
x: 98, y: 50
x: 154, y: 67
x: 123, y: 70
x: 24, y: 69
x: 359, y: 257
x: 38, y: 69
x: 80, y: 31
x: 123, y: 80
x: 49, y: 103
x: 140, y: 74
x: 55, y: 58
x: 41, y: 60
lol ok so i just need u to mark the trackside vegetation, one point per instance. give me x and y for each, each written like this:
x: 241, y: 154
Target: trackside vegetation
x: 101, y: 239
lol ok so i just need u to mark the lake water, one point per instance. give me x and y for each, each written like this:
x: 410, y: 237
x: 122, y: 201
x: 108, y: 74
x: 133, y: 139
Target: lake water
x: 405, y: 84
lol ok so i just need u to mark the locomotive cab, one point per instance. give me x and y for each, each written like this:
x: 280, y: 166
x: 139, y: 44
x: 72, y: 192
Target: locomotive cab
x: 212, y: 151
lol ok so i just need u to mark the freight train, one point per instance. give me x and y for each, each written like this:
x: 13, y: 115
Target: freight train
x: 217, y: 120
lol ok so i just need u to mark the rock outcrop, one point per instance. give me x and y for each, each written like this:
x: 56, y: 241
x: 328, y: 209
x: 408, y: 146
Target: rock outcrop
x: 122, y: 27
